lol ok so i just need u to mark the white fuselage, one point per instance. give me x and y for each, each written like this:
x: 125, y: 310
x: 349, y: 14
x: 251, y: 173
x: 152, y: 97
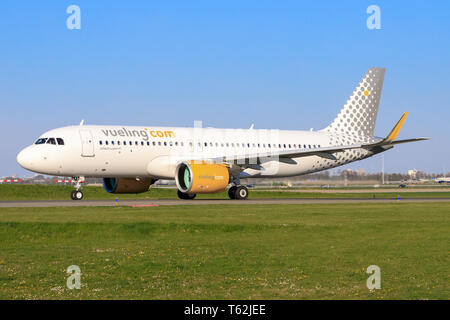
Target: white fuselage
x: 124, y: 151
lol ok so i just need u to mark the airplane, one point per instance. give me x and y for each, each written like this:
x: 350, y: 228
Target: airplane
x: 210, y: 160
x: 442, y: 180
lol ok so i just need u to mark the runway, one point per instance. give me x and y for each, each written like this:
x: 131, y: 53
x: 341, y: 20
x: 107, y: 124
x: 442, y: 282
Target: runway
x: 158, y: 202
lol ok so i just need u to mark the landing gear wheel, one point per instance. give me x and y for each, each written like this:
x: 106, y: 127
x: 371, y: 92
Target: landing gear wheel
x: 185, y: 196
x: 232, y: 192
x: 76, y: 195
x: 241, y: 193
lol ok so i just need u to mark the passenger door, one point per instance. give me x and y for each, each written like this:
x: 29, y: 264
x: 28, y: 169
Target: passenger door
x: 87, y: 143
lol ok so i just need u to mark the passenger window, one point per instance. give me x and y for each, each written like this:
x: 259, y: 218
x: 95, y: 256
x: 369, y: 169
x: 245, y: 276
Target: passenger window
x: 154, y: 143
x: 118, y: 143
x: 124, y: 143
x: 60, y: 141
x: 112, y: 142
x: 148, y: 143
x: 106, y: 142
x: 165, y: 143
x: 40, y: 141
x: 51, y: 141
x: 136, y: 143
x: 100, y: 142
x: 142, y: 143
x: 159, y: 143
x: 182, y: 144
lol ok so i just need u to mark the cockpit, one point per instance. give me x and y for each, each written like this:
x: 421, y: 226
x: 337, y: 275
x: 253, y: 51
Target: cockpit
x: 54, y: 141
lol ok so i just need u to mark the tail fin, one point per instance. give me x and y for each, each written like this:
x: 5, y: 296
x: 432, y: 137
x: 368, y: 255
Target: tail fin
x: 359, y: 114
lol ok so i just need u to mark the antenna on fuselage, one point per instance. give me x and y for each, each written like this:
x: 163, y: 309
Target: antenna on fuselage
x: 82, y: 122
x: 252, y: 126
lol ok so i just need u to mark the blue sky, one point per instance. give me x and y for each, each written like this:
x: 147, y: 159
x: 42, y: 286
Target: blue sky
x: 278, y: 64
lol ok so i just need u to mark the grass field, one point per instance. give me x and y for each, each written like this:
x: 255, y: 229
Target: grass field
x: 227, y: 252
x: 54, y: 192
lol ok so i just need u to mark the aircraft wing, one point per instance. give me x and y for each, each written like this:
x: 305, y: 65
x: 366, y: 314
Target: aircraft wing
x: 324, y: 152
x: 389, y: 141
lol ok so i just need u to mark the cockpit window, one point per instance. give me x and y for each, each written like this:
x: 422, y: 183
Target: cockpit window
x: 40, y: 141
x: 51, y: 141
x: 60, y: 141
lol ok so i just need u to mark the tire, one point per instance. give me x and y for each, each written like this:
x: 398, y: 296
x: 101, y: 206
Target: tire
x: 78, y: 195
x: 72, y: 195
x: 185, y: 196
x: 232, y: 192
x: 241, y: 193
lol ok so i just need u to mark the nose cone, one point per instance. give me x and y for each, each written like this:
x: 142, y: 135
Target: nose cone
x: 25, y: 159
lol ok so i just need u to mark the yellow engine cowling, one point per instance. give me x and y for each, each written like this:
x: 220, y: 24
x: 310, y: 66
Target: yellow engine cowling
x: 126, y: 185
x: 194, y: 177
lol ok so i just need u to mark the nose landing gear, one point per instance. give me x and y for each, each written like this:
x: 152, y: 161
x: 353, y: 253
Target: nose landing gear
x: 77, y: 194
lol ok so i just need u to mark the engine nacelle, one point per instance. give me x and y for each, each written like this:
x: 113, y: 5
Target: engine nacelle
x: 126, y: 185
x: 194, y: 177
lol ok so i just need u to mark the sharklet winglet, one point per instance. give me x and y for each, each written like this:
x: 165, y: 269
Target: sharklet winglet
x: 395, y: 131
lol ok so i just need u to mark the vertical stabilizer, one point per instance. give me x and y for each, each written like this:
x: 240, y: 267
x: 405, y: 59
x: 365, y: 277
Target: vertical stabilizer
x: 359, y: 114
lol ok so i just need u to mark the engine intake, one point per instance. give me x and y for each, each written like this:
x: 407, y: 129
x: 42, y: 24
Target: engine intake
x: 194, y: 177
x: 126, y: 185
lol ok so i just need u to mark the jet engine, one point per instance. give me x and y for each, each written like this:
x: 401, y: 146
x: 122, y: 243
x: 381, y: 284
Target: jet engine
x: 194, y: 177
x: 127, y: 185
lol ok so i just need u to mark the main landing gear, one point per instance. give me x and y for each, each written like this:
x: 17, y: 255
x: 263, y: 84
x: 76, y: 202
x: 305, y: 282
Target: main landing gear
x: 77, y: 194
x: 185, y: 196
x: 238, y: 192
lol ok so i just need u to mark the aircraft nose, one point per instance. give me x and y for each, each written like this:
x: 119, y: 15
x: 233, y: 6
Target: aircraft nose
x: 25, y: 159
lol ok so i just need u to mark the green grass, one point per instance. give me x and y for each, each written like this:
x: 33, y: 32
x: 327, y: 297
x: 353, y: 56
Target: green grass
x: 54, y: 192
x: 227, y: 252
